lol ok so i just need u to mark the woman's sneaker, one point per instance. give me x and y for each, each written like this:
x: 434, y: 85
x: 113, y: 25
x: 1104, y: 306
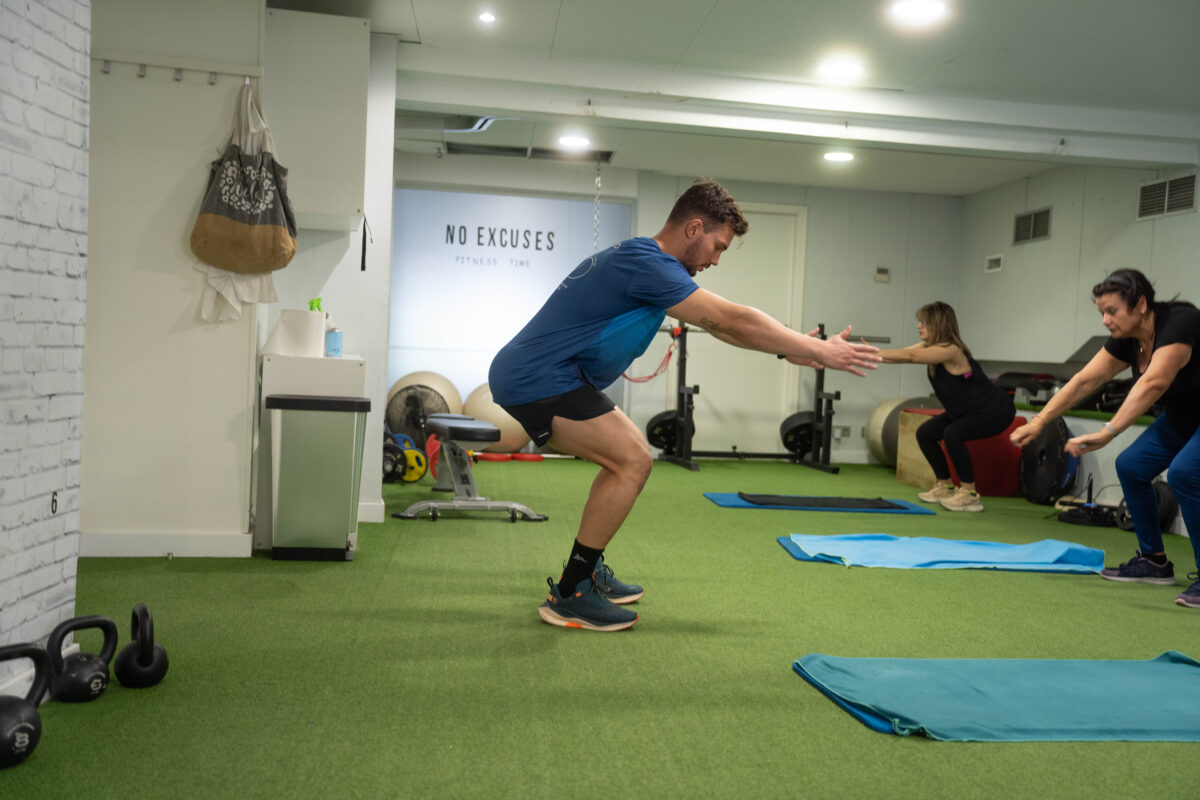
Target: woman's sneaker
x: 1190, y: 596
x: 585, y: 608
x: 1140, y: 569
x: 962, y: 500
x: 612, y: 587
x: 938, y: 493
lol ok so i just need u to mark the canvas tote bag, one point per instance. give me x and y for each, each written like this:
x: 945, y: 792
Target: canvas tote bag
x: 246, y: 224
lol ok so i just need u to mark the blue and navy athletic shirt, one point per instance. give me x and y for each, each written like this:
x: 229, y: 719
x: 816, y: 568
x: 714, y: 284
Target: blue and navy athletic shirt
x: 599, y: 319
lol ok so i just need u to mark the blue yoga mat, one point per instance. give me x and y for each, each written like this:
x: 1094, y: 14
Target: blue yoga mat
x: 902, y: 552
x: 1016, y: 700
x: 731, y: 500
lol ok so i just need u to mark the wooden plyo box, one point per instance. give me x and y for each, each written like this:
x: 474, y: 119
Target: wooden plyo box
x: 911, y: 466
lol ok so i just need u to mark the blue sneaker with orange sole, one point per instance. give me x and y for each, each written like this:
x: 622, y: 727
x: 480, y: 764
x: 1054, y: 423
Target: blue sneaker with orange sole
x: 586, y: 608
x: 613, y: 588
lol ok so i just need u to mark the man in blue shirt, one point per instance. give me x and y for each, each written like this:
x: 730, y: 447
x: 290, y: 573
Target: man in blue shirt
x: 599, y: 319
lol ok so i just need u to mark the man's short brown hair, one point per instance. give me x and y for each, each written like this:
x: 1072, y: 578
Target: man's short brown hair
x: 710, y: 202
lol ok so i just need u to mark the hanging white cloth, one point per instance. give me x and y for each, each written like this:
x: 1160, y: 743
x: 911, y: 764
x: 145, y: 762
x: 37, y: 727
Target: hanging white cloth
x: 225, y: 291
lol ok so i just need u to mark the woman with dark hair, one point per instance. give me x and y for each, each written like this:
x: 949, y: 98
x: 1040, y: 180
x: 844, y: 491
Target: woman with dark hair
x: 975, y: 407
x: 1157, y: 340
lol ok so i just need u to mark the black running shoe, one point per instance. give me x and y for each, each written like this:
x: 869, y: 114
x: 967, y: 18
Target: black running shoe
x: 1190, y: 596
x: 1140, y: 569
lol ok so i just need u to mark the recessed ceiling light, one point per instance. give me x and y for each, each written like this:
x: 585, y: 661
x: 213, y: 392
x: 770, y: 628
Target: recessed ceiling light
x: 839, y: 155
x: 918, y: 14
x: 487, y: 17
x: 573, y: 142
x: 842, y: 68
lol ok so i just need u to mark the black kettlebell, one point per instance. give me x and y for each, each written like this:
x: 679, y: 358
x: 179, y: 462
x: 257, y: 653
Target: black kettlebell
x: 81, y: 676
x: 141, y: 663
x: 20, y: 725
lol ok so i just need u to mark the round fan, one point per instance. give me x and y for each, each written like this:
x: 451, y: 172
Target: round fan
x: 413, y: 398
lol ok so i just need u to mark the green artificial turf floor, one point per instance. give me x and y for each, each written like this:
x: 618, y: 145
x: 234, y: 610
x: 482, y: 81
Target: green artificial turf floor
x: 421, y: 669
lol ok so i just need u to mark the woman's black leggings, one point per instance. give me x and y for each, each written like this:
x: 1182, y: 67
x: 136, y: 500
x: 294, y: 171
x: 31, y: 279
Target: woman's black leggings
x: 956, y: 432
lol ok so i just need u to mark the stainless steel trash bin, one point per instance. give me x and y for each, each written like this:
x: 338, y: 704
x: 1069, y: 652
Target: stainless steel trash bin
x: 316, y: 465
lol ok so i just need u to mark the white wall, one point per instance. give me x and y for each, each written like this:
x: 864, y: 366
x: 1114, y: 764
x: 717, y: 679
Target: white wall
x: 1039, y: 307
x: 917, y: 238
x: 43, y: 247
x: 329, y: 265
x: 168, y: 400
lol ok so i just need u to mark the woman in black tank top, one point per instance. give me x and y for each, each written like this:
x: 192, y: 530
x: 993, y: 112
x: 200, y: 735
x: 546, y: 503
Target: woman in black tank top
x: 1158, y: 340
x: 975, y: 407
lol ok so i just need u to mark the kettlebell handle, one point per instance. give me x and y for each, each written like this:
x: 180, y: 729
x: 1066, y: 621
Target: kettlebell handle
x: 142, y: 632
x: 41, y: 667
x: 55, y: 642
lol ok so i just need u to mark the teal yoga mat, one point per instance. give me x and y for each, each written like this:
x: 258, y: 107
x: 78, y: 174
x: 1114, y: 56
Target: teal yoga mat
x: 731, y: 500
x: 1016, y: 700
x: 903, y: 552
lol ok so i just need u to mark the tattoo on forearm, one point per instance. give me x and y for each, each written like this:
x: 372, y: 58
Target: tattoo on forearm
x: 710, y: 324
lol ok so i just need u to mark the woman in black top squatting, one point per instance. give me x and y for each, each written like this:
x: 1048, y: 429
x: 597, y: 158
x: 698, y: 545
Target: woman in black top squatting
x: 975, y: 407
x: 1158, y: 341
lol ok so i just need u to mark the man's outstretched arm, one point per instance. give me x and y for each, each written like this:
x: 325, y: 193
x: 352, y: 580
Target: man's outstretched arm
x: 748, y: 327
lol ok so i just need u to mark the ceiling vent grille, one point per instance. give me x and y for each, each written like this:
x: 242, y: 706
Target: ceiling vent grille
x: 537, y: 153
x: 1032, y: 226
x: 1172, y: 196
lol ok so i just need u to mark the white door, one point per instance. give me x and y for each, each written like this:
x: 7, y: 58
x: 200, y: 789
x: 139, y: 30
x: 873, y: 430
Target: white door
x: 745, y: 395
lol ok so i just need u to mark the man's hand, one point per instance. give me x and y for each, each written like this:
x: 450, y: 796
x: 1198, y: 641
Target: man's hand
x: 806, y: 362
x: 841, y: 353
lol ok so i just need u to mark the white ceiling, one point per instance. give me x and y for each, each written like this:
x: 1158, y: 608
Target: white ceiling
x: 728, y: 88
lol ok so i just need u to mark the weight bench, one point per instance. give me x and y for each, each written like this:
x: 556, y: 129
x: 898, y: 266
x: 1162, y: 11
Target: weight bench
x: 455, y: 475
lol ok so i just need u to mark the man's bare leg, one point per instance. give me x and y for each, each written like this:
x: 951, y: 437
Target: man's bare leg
x: 616, y: 445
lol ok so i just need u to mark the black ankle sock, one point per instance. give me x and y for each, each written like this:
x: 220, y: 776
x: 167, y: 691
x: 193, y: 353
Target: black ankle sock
x: 1159, y: 560
x: 580, y: 565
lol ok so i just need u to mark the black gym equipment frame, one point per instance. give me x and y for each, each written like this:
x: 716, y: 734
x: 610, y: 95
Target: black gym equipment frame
x: 678, y: 447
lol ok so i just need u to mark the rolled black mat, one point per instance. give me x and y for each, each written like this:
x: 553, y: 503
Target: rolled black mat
x: 817, y: 502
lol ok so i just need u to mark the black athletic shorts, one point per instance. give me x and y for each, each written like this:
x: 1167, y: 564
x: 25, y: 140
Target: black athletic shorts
x: 586, y: 402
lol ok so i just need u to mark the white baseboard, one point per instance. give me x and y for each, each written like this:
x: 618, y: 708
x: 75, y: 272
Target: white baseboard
x: 18, y: 683
x: 95, y: 544
x: 371, y: 510
x: 850, y: 456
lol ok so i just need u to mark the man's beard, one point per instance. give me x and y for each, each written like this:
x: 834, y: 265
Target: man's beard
x: 690, y: 260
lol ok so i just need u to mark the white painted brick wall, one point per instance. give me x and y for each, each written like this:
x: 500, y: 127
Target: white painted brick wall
x: 44, y: 66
